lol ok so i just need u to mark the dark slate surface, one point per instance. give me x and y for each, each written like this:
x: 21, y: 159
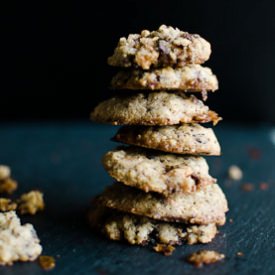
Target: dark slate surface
x: 63, y: 160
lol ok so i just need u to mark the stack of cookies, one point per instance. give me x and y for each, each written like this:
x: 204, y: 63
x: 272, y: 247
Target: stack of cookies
x: 163, y: 192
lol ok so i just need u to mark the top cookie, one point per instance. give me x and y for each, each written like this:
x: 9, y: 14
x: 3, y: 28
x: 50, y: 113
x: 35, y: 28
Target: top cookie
x: 157, y: 108
x: 191, y: 78
x: 167, y: 46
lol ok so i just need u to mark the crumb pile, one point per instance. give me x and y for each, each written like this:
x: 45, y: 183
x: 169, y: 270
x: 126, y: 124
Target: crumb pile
x: 163, y: 194
x: 17, y: 242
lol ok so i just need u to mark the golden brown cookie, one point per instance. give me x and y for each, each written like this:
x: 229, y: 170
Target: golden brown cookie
x: 207, y: 205
x: 192, y: 78
x: 157, y: 108
x: 190, y: 139
x: 164, y: 47
x: 138, y: 230
x: 158, y: 172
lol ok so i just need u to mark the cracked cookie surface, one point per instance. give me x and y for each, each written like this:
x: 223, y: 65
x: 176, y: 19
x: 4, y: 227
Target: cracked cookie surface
x: 207, y: 205
x: 157, y: 172
x: 190, y: 139
x: 157, y: 108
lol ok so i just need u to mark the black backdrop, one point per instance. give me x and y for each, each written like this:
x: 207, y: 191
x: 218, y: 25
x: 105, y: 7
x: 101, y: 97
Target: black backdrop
x: 54, y: 55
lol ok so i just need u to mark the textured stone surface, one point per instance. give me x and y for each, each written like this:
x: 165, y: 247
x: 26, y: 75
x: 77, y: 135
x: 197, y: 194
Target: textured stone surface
x: 63, y: 161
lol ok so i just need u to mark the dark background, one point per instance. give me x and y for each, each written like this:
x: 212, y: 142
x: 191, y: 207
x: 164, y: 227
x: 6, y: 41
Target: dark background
x: 53, y: 61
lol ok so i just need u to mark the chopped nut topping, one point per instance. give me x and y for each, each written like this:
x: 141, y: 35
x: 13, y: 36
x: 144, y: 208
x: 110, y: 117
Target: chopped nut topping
x: 7, y: 205
x: 167, y: 250
x: 164, y: 47
x: 46, y: 262
x: 235, y: 173
x: 205, y: 257
x: 30, y: 203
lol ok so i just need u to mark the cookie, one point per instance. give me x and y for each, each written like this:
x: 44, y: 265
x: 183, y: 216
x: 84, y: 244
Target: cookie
x: 164, y: 47
x: 17, y: 242
x: 192, y: 78
x: 157, y: 108
x: 157, y: 172
x: 188, y: 139
x: 138, y: 230
x: 207, y: 205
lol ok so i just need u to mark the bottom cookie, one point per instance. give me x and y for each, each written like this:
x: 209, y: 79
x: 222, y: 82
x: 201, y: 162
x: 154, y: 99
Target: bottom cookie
x: 138, y: 230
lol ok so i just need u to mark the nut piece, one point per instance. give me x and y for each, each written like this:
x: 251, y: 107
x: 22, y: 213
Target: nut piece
x: 235, y: 172
x: 30, y: 203
x: 7, y: 205
x: 4, y: 172
x: 205, y: 257
x: 17, y: 242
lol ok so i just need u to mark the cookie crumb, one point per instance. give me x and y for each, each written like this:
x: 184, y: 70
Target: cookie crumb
x: 46, y: 262
x: 7, y: 205
x: 235, y: 172
x: 205, y: 257
x: 8, y: 186
x: 204, y: 95
x: 240, y: 254
x: 31, y: 202
x: 247, y: 187
x: 264, y: 186
x: 165, y: 249
x: 5, y: 172
x: 254, y: 153
x: 231, y: 220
